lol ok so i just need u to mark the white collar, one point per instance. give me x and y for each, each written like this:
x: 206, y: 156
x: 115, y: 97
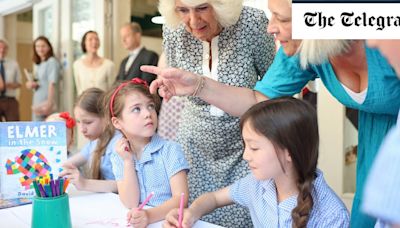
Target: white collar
x: 136, y: 51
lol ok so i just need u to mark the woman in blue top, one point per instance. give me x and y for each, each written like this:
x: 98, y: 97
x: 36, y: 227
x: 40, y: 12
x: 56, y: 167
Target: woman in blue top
x: 145, y: 163
x: 382, y: 195
x: 92, y: 124
x: 370, y: 76
x: 47, y: 74
x: 285, y: 188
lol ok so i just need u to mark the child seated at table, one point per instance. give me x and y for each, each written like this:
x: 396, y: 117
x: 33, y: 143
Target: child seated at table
x: 92, y: 124
x: 144, y: 162
x: 69, y: 123
x: 285, y: 188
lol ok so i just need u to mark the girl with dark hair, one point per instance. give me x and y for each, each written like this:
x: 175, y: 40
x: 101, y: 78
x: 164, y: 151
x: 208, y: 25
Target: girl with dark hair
x: 144, y: 162
x: 92, y: 124
x: 92, y: 70
x: 47, y: 74
x: 285, y: 188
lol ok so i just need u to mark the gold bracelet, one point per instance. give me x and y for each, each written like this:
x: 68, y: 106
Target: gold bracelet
x: 199, y: 86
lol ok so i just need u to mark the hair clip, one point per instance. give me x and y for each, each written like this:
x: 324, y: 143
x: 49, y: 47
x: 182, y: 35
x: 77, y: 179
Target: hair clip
x: 69, y: 121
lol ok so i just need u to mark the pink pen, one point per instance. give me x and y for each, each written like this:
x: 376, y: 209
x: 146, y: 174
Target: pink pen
x: 180, y: 213
x: 146, y: 201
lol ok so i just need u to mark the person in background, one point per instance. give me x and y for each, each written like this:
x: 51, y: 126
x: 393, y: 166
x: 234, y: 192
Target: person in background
x: 285, y: 188
x: 131, y: 36
x: 92, y: 70
x: 89, y: 114
x: 10, y: 81
x: 382, y: 195
x: 144, y: 162
x: 217, y: 39
x: 369, y: 85
x: 45, y: 89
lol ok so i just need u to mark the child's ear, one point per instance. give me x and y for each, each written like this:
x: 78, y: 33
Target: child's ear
x: 116, y: 123
x: 288, y: 158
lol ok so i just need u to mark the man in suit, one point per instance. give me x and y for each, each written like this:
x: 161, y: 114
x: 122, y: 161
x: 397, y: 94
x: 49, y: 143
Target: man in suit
x: 131, y: 35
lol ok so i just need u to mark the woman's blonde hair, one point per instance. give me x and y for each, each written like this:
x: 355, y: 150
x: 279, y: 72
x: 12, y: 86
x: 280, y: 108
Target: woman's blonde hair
x: 319, y: 51
x: 227, y: 12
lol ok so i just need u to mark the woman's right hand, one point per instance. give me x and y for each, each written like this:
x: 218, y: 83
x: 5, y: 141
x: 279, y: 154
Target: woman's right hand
x: 124, y: 150
x: 172, y: 81
x: 31, y: 85
x: 171, y: 219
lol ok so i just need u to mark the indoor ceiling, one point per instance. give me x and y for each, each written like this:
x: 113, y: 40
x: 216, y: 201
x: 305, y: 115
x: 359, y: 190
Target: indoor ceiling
x: 12, y: 6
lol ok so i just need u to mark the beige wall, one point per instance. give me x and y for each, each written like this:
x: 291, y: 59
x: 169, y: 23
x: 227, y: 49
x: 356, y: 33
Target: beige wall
x: 10, y: 32
x: 121, y: 15
x: 153, y: 43
x: 331, y: 122
x: 19, y: 35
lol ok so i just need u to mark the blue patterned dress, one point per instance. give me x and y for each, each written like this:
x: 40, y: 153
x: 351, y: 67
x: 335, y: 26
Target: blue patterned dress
x: 211, y: 139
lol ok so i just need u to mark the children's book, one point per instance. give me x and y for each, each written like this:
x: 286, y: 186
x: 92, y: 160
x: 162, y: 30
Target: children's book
x: 28, y: 150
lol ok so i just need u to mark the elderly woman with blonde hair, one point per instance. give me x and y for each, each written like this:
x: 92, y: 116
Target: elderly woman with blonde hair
x: 357, y: 76
x: 226, y: 42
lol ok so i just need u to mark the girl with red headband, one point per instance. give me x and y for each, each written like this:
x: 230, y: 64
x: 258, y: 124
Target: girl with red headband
x: 144, y: 162
x: 96, y: 153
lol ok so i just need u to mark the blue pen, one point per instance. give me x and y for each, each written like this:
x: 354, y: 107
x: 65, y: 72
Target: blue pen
x: 61, y: 186
x: 47, y: 188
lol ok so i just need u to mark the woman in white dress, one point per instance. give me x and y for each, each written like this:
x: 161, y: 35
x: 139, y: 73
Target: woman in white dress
x: 92, y: 70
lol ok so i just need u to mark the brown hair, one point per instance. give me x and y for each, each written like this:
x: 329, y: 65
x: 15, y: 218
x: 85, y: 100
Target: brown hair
x: 36, y: 59
x: 83, y: 47
x: 91, y: 101
x: 119, y: 98
x: 291, y: 124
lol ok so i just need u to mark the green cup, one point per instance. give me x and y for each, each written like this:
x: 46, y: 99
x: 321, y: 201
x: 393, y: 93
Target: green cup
x: 51, y: 212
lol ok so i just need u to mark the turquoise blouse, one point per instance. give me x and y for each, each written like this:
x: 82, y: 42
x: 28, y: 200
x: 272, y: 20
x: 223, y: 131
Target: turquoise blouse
x: 377, y: 114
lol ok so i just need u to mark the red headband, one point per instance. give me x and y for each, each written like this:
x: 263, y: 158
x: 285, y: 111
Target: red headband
x: 136, y: 81
x: 69, y: 121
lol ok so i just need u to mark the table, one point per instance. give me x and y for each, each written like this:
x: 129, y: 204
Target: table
x: 89, y: 210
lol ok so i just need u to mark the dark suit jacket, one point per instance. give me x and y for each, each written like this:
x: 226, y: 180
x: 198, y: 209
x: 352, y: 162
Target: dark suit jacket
x: 145, y: 57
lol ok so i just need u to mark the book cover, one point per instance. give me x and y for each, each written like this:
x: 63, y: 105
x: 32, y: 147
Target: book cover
x: 29, y: 150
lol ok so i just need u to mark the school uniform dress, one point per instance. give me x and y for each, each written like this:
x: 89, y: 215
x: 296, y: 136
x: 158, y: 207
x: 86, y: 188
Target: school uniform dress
x: 261, y: 200
x: 211, y: 139
x: 377, y: 113
x: 160, y: 160
x: 9, y: 107
x: 106, y: 169
x: 47, y: 73
x: 382, y: 194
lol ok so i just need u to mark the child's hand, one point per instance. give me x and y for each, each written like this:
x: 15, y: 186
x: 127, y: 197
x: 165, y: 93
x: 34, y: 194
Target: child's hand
x: 123, y: 149
x: 171, y: 219
x: 138, y: 218
x: 74, y: 176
